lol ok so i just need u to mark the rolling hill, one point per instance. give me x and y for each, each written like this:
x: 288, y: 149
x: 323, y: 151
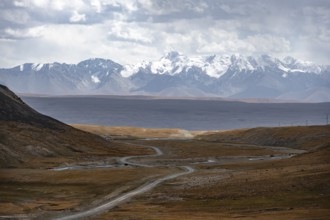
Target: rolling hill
x: 30, y: 139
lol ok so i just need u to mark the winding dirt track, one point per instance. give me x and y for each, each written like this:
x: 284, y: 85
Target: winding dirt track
x: 126, y: 196
x: 125, y: 160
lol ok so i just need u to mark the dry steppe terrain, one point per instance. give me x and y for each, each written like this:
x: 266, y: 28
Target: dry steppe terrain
x: 50, y: 170
x: 226, y: 185
x: 241, y: 180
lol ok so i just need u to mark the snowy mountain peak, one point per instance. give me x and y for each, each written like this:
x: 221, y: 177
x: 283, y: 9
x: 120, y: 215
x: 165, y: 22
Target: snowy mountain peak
x: 241, y: 63
x: 233, y: 76
x: 296, y: 65
x: 235, y: 57
x: 289, y: 60
x: 211, y: 58
x: 171, y: 64
x: 172, y: 55
x: 94, y: 62
x: 129, y: 70
x: 37, y: 66
x: 268, y: 60
x: 174, y: 63
x: 215, y: 66
x: 265, y: 61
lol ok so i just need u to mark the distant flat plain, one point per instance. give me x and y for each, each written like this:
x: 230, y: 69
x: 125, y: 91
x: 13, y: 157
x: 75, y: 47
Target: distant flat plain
x: 189, y: 114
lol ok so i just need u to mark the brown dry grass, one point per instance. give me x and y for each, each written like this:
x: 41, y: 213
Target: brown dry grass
x: 133, y: 132
x: 41, y: 192
x: 294, y: 188
x: 302, y: 137
x: 24, y: 145
x: 203, y: 149
x: 138, y: 211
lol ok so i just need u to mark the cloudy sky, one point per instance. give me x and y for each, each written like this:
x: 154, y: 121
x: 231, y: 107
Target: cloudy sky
x: 129, y: 31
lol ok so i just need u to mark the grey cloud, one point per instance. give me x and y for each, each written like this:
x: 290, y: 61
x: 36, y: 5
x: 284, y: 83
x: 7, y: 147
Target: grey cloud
x: 277, y: 27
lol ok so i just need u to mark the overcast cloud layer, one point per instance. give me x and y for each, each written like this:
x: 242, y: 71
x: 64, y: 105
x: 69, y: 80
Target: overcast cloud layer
x: 129, y: 31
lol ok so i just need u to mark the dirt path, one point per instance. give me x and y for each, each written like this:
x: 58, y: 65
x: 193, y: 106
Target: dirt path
x: 127, y: 196
x: 125, y: 160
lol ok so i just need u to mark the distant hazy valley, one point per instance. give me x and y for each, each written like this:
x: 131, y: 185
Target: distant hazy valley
x: 174, y: 74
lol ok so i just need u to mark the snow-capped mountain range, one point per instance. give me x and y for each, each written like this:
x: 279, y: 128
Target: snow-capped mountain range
x: 174, y: 74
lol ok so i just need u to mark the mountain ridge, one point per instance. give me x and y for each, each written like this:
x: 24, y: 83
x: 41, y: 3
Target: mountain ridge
x: 175, y: 74
x: 31, y: 139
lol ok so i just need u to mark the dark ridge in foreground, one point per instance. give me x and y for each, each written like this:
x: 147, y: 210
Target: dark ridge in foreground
x: 30, y: 139
x: 13, y: 109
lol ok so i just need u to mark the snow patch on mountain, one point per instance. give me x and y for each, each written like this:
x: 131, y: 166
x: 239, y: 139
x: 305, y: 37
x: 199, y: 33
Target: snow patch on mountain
x: 174, y: 74
x: 171, y: 64
x: 37, y: 66
x: 95, y: 79
x: 284, y: 69
x: 174, y: 63
x: 214, y: 66
x: 130, y: 70
x: 242, y: 63
x: 295, y: 65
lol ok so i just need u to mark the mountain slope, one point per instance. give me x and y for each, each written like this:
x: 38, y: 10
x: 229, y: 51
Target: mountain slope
x: 235, y: 76
x: 301, y: 137
x: 174, y: 74
x: 29, y: 139
x: 92, y: 76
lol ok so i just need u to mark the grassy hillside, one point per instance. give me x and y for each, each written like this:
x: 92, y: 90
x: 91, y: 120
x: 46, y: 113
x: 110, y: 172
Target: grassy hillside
x: 28, y: 138
x: 292, y: 188
x: 301, y: 137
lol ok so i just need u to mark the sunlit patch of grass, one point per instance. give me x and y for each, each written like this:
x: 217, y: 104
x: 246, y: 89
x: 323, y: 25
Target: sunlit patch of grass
x: 134, y: 132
